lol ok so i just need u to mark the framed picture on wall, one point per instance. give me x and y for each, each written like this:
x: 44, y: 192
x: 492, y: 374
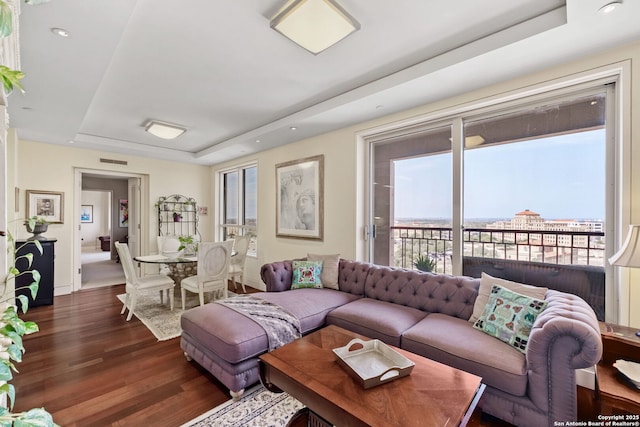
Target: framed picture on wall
x: 300, y: 198
x: 45, y: 204
x: 123, y: 213
x: 86, y: 213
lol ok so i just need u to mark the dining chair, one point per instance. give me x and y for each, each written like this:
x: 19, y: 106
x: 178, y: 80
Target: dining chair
x: 168, y: 245
x: 213, y: 271
x: 136, y: 284
x: 236, y: 265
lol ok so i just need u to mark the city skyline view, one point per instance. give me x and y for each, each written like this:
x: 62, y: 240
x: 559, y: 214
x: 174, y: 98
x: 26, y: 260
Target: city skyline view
x: 559, y: 177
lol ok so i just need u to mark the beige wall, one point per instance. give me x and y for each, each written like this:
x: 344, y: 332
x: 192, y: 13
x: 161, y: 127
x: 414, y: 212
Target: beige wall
x: 345, y: 173
x: 52, y: 168
x: 344, y: 177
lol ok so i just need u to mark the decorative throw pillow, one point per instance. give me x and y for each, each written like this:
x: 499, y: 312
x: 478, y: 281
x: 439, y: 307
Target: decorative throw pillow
x: 306, y: 274
x: 329, y: 269
x: 485, y: 288
x: 509, y: 316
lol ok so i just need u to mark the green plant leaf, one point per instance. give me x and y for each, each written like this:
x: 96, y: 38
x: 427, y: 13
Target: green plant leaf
x: 36, y: 417
x: 15, y: 353
x: 38, y: 245
x: 11, y: 78
x: 6, y: 20
x: 33, y: 287
x: 24, y: 302
x: 11, y: 393
x: 35, y: 275
x: 30, y: 327
x: 17, y: 339
x: 5, y: 372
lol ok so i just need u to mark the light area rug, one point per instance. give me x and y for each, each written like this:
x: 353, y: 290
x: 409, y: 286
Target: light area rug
x: 258, y: 407
x: 163, y: 323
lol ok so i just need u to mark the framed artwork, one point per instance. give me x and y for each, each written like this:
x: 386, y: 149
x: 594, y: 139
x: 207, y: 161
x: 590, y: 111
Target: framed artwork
x: 86, y: 213
x: 123, y: 213
x: 300, y: 198
x: 46, y: 204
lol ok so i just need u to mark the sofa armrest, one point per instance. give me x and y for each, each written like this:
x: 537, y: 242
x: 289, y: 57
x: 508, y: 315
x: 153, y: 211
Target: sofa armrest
x: 277, y: 276
x: 565, y: 337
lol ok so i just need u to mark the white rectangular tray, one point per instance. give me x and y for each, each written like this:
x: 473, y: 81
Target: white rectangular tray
x: 372, y: 362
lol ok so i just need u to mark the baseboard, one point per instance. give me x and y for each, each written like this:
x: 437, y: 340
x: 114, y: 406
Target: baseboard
x: 586, y: 377
x: 62, y: 290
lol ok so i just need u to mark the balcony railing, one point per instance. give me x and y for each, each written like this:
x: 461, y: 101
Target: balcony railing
x: 550, y: 247
x: 568, y: 261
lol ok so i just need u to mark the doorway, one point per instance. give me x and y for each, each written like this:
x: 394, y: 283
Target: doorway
x: 98, y: 262
x: 108, y: 211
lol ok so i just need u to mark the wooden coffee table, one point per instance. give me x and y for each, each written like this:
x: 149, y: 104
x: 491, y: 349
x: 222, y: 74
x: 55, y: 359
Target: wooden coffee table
x: 432, y: 395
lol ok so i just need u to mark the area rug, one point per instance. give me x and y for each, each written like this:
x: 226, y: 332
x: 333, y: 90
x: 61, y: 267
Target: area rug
x: 258, y: 407
x: 163, y: 323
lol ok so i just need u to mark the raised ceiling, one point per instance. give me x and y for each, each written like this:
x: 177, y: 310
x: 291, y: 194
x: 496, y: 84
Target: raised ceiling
x: 218, y: 69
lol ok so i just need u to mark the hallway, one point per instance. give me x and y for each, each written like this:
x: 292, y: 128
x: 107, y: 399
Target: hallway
x: 98, y: 269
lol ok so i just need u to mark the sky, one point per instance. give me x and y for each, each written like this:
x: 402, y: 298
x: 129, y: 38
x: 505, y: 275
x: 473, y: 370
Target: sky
x: 560, y: 177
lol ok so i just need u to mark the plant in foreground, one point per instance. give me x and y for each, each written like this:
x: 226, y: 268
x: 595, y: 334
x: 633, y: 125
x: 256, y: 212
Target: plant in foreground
x: 12, y: 329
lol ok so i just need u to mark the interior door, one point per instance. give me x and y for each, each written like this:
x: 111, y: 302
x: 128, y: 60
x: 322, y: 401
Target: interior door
x: 134, y: 216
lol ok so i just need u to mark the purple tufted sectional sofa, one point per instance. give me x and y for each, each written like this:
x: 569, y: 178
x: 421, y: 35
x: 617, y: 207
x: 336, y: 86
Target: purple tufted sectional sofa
x: 424, y: 313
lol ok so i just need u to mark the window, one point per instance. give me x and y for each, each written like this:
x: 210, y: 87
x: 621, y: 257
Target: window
x: 517, y: 189
x: 239, y: 204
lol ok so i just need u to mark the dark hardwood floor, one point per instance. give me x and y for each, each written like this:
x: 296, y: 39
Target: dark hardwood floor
x: 89, y: 367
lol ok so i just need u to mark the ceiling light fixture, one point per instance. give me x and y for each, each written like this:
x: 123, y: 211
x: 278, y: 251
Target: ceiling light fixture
x: 610, y: 7
x: 164, y: 130
x: 314, y: 24
x: 60, y: 32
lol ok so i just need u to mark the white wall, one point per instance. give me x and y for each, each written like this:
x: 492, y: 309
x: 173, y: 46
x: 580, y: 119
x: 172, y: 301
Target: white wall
x: 90, y: 231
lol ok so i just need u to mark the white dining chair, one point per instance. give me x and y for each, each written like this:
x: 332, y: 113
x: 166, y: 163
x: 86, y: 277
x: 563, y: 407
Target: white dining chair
x: 213, y: 271
x: 236, y: 265
x: 168, y: 245
x: 136, y: 284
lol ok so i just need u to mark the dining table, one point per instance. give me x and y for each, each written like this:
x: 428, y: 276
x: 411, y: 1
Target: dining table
x: 179, y: 266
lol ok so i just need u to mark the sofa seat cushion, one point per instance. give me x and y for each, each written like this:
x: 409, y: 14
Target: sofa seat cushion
x: 456, y: 343
x: 234, y: 337
x: 309, y: 305
x: 375, y: 319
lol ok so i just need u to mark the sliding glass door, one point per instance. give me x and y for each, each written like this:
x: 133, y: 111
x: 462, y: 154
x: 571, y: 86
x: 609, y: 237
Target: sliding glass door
x: 527, y: 183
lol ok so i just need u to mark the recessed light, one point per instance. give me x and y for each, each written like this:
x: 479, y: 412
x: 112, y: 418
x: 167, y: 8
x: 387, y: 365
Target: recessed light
x: 257, y: 140
x: 610, y: 7
x: 60, y: 32
x: 293, y: 128
x: 71, y: 141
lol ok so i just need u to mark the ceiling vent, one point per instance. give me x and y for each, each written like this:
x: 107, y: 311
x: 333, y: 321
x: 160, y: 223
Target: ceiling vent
x: 115, y: 162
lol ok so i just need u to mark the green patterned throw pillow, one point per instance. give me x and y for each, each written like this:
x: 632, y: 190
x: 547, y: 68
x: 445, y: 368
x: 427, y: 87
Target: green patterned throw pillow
x: 306, y: 274
x: 509, y: 316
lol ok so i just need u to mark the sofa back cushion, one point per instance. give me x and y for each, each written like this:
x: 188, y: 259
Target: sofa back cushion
x: 429, y: 292
x: 352, y: 276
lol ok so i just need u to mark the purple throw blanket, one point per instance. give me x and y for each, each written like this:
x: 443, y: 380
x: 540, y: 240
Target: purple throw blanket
x: 281, y: 326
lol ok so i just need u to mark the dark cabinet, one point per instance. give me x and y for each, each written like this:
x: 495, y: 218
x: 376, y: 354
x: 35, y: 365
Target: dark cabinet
x: 43, y: 263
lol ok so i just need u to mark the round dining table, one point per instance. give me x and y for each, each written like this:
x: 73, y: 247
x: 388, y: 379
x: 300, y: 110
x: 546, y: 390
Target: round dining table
x: 179, y: 266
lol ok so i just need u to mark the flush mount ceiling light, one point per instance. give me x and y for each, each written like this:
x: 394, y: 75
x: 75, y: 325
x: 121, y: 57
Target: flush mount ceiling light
x: 610, y: 7
x: 164, y: 130
x: 314, y: 24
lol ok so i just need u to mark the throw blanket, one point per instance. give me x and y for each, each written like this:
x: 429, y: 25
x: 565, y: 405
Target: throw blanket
x: 281, y: 326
